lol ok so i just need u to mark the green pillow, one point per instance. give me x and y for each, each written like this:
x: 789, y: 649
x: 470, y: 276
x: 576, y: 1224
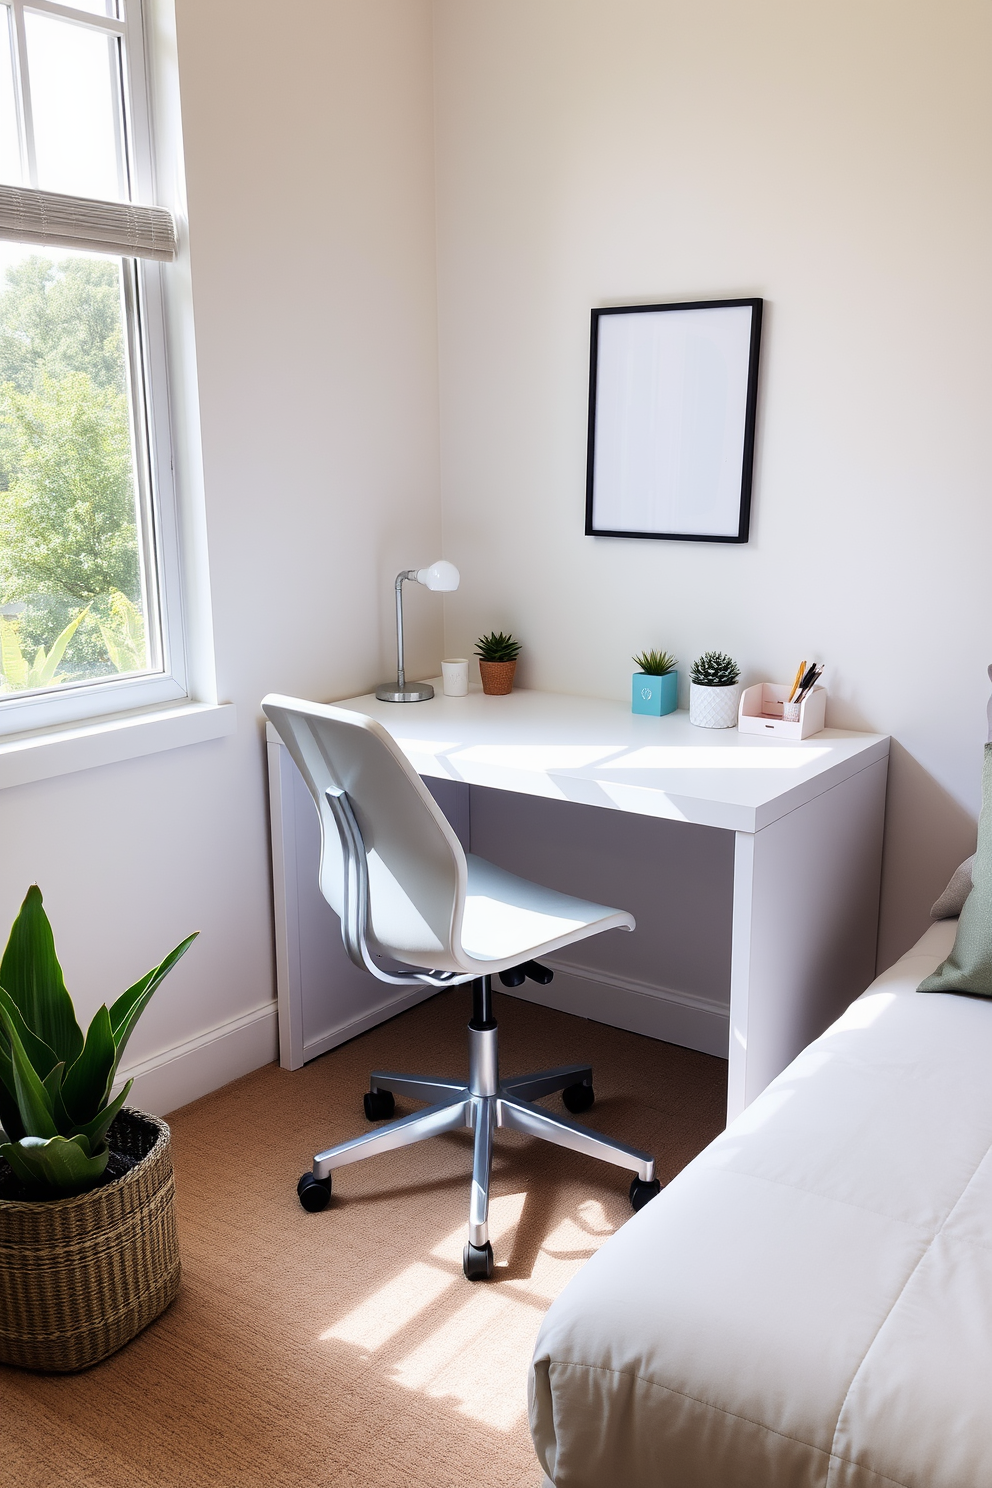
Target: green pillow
x: 969, y: 966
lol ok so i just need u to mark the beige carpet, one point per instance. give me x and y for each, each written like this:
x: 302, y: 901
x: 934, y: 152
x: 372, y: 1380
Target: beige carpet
x: 346, y: 1347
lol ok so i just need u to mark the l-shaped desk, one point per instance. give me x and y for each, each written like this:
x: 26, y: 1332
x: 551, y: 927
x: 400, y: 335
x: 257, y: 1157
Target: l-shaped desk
x: 753, y: 861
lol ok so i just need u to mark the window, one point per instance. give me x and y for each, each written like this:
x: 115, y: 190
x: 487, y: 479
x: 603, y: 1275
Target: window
x: 90, y: 622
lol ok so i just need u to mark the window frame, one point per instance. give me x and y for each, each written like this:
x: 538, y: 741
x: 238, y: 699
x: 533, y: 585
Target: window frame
x: 146, y: 332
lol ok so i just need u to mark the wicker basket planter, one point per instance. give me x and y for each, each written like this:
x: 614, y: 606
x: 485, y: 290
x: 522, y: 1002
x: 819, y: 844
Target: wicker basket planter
x: 497, y: 677
x: 80, y: 1277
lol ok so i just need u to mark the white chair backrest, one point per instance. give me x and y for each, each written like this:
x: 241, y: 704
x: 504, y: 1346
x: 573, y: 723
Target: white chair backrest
x: 417, y: 869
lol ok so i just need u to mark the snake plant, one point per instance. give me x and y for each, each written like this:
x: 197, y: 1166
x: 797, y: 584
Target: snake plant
x: 55, y: 1085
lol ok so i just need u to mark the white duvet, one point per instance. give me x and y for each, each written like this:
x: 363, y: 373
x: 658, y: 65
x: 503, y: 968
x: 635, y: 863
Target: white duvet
x: 809, y: 1303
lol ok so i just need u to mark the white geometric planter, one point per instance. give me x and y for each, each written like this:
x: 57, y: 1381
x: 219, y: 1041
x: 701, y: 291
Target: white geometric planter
x: 713, y: 707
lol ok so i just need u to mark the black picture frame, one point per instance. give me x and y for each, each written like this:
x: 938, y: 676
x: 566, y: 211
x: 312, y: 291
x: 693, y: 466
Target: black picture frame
x: 611, y: 487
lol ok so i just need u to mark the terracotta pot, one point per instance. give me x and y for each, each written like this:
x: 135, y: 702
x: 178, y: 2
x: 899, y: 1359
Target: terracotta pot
x: 497, y: 677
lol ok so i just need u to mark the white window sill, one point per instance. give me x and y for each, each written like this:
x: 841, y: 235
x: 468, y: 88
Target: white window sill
x: 106, y: 741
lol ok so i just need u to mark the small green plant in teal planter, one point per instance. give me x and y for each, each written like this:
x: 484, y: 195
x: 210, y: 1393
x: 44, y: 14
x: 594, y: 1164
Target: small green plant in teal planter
x: 655, y: 688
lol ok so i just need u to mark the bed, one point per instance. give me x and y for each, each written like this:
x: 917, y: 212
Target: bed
x: 809, y: 1303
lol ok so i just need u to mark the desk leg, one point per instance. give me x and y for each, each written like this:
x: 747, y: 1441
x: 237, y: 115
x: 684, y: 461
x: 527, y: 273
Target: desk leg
x: 285, y: 891
x: 805, y: 927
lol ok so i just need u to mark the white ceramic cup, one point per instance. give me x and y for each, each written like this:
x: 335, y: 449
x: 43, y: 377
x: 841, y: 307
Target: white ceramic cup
x: 455, y: 674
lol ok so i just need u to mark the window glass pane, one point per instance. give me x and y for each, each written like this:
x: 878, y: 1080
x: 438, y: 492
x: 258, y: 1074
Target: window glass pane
x: 72, y: 601
x: 10, y: 149
x: 75, y: 105
x: 95, y: 7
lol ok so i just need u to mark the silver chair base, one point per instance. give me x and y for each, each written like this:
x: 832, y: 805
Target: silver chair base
x: 482, y: 1105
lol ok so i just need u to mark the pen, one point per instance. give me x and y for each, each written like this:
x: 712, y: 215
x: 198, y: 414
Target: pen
x: 808, y: 676
x: 799, y: 676
x: 810, y: 682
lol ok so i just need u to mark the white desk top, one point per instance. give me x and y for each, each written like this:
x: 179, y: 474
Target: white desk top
x: 597, y: 752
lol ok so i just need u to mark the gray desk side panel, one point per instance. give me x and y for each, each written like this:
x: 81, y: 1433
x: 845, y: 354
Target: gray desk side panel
x: 670, y: 978
x: 806, y: 926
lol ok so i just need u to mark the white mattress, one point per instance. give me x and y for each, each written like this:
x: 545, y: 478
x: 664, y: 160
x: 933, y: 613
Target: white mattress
x: 810, y: 1301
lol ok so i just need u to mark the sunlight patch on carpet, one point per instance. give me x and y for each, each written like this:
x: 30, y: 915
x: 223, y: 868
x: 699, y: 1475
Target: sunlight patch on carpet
x: 460, y: 1364
x: 473, y: 1344
x: 376, y: 1320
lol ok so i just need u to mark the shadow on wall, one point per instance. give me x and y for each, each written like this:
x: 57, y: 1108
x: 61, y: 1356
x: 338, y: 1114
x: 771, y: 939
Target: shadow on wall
x: 927, y: 833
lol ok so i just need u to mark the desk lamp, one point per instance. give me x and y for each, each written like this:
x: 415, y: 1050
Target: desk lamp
x: 441, y: 575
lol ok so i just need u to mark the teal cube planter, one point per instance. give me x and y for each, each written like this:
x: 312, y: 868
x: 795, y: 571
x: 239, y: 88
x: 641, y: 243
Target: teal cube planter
x: 654, y: 695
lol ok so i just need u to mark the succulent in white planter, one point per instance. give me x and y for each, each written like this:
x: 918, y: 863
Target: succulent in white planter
x: 714, y: 690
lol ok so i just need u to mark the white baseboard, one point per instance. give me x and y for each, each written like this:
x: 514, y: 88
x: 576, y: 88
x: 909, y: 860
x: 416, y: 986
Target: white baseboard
x: 657, y: 1012
x: 342, y: 1032
x: 176, y: 1076
x: 184, y: 1072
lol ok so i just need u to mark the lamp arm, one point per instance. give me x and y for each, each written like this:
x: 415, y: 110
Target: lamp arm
x: 407, y: 573
x: 355, y: 909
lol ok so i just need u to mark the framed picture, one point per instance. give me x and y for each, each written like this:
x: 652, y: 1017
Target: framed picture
x: 672, y: 394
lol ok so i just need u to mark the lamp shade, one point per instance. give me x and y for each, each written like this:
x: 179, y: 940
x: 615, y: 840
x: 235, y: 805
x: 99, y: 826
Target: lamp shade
x: 441, y: 575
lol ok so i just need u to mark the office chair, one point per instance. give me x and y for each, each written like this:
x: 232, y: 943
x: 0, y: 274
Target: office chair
x: 408, y: 896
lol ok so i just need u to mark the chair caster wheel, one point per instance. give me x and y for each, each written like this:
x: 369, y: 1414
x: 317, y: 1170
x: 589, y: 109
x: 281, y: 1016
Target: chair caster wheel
x: 379, y: 1105
x: 314, y: 1193
x: 477, y: 1262
x: 578, y: 1097
x: 642, y: 1193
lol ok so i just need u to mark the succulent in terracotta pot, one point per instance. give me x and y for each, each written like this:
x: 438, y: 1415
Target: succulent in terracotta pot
x: 497, y: 655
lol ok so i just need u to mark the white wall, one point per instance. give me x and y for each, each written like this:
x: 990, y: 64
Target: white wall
x: 833, y: 159
x: 316, y: 364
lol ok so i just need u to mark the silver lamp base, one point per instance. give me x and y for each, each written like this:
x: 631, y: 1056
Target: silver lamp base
x: 417, y: 692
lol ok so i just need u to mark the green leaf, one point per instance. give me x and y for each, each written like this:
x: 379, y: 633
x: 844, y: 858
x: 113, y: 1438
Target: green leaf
x: 53, y: 1084
x: 33, y: 1101
x: 43, y: 676
x: 10, y: 1116
x: 124, y: 634
x: 42, y: 1056
x: 52, y: 1081
x: 60, y: 1165
x: 87, y: 1081
x: 97, y: 1129
x: 32, y: 976
x: 12, y: 662
x: 6, y: 1066
x: 128, y: 1008
x: 113, y: 651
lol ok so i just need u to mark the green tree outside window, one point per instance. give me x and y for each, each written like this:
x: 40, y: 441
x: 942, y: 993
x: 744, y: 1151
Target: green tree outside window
x: 70, y: 586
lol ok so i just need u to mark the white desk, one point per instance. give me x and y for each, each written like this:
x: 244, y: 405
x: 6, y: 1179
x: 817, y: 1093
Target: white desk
x: 759, y: 863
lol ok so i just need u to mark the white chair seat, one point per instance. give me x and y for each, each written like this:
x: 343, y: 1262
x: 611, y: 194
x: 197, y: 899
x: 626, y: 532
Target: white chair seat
x: 509, y: 919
